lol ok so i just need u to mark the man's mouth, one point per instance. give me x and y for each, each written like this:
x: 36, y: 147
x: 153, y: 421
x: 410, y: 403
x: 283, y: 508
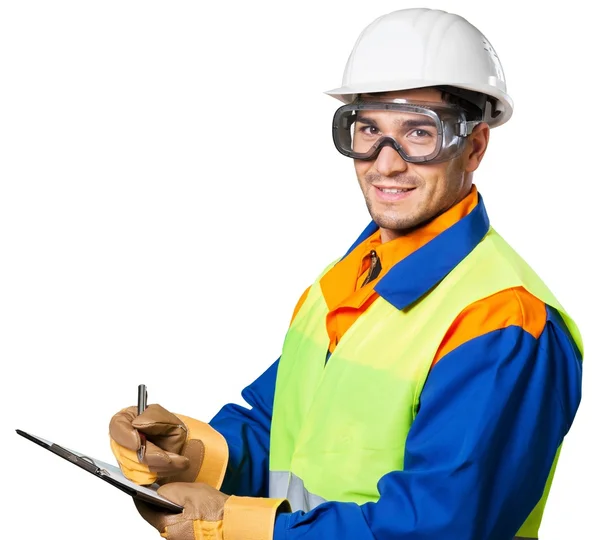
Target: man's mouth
x: 394, y: 190
x: 392, y: 193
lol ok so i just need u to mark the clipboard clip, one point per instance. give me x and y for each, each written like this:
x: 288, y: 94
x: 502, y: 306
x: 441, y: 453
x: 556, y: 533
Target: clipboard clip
x: 99, y: 470
x: 86, y: 462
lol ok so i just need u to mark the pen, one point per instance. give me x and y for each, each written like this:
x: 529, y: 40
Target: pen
x: 141, y: 406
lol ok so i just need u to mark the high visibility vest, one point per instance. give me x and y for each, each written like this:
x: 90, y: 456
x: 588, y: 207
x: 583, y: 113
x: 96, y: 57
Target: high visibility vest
x: 339, y: 426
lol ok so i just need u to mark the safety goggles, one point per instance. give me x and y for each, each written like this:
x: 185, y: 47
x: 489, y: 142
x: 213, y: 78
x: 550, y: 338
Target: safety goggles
x: 421, y: 132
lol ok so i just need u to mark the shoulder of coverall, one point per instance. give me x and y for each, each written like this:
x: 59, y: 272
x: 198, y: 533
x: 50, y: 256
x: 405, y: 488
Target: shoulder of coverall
x: 511, y: 307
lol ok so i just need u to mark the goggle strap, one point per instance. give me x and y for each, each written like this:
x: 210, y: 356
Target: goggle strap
x: 466, y: 128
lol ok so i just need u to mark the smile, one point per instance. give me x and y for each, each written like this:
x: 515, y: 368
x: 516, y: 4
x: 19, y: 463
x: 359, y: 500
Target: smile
x: 395, y: 190
x: 385, y: 193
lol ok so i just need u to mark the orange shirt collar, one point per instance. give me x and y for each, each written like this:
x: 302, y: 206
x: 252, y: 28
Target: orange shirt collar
x: 346, y: 277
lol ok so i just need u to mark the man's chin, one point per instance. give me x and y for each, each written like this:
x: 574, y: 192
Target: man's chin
x: 395, y: 223
x: 396, y: 217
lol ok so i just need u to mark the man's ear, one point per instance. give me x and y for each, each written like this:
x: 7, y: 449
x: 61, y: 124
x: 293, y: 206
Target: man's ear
x: 477, y: 144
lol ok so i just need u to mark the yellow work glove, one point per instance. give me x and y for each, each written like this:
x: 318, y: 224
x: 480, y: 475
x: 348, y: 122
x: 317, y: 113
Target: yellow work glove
x: 178, y: 448
x: 210, y: 514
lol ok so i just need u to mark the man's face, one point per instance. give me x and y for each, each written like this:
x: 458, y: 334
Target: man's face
x: 427, y: 190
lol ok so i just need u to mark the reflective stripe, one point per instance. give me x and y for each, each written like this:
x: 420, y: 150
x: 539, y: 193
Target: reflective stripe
x: 278, y: 484
x: 283, y: 484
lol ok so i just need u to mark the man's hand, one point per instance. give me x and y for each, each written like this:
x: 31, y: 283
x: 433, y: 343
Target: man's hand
x: 178, y: 448
x: 208, y: 513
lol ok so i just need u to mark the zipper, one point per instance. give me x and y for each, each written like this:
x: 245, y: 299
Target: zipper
x: 374, y: 269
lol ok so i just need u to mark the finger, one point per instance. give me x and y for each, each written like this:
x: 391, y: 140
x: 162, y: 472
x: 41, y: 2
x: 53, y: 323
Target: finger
x: 122, y: 430
x: 164, y: 463
x: 130, y: 466
x: 200, y: 501
x: 156, y: 414
x: 156, y: 462
x: 157, y: 518
x: 182, y: 493
x: 162, y: 427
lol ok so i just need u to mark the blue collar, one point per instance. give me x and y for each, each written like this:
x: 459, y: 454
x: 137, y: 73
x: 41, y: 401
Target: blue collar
x: 415, y: 275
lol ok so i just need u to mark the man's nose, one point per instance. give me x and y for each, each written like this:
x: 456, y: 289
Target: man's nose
x: 389, y: 162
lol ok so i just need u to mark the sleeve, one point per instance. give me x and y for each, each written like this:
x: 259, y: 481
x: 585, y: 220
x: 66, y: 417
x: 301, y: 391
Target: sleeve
x: 247, y: 432
x: 480, y: 449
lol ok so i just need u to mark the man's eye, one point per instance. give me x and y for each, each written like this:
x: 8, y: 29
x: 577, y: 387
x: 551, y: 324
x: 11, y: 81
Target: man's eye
x: 369, y: 130
x: 420, y: 133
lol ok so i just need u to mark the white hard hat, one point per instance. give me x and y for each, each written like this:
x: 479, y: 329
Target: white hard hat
x: 415, y: 48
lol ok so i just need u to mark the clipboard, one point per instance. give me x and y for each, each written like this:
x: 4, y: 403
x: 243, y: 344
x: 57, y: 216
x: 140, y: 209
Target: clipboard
x: 107, y: 472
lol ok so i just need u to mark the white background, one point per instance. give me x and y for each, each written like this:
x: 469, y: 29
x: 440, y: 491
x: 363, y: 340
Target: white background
x: 169, y: 189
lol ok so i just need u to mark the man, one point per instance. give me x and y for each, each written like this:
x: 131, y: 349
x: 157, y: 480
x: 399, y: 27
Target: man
x: 428, y: 377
